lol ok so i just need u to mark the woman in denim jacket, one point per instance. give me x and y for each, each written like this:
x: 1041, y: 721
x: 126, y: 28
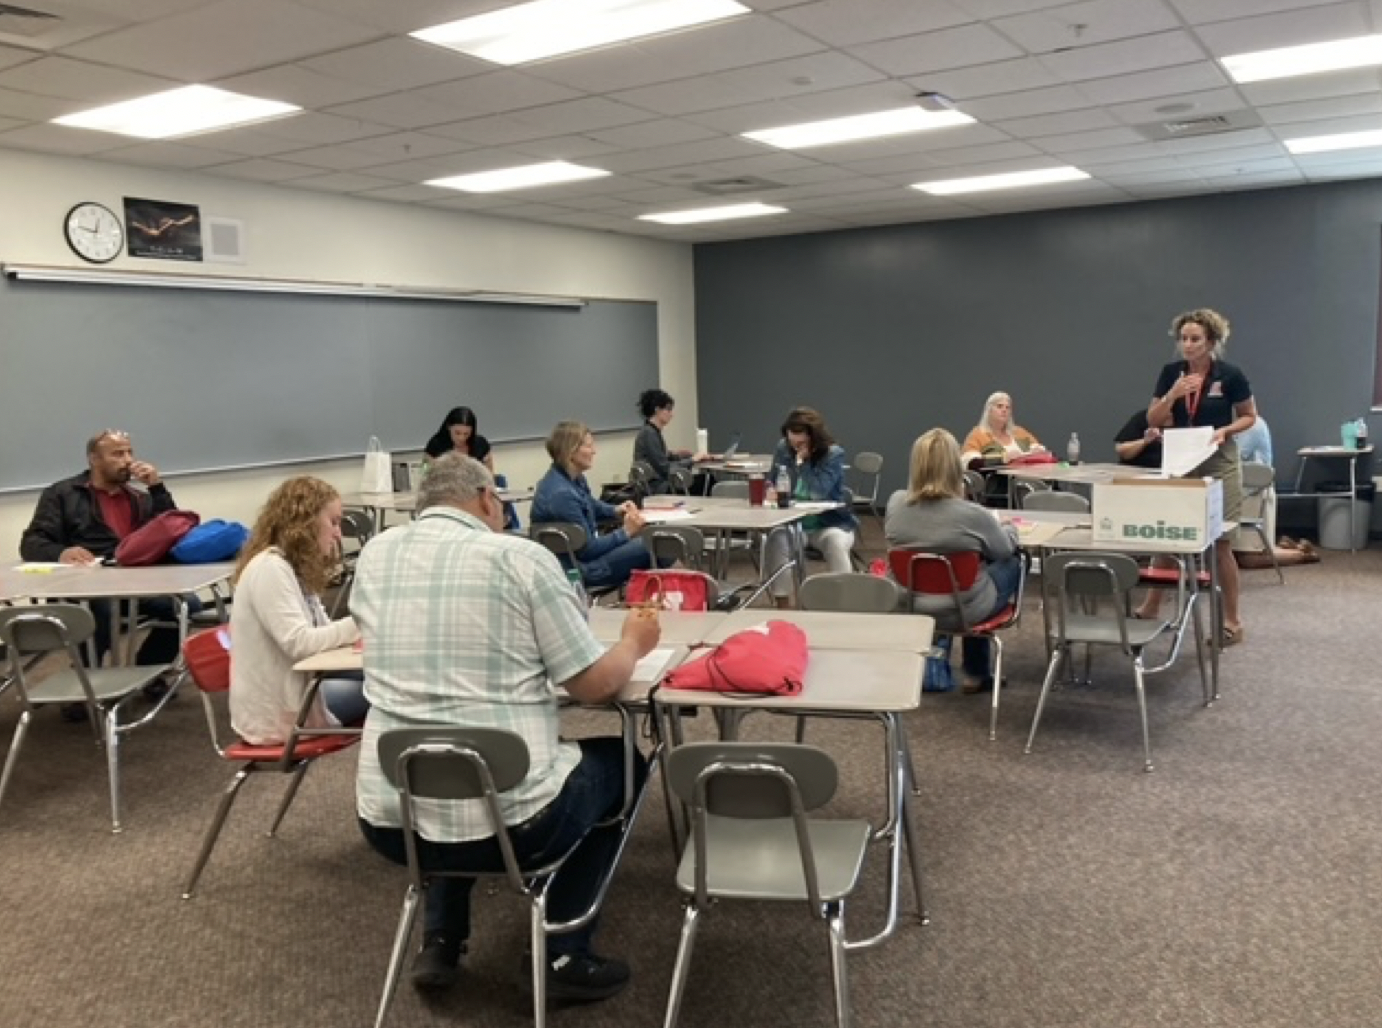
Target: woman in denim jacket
x: 816, y: 468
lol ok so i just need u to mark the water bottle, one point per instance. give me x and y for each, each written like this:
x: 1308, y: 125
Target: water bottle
x: 574, y: 577
x: 1361, y: 440
x: 784, y: 487
x: 1072, y: 449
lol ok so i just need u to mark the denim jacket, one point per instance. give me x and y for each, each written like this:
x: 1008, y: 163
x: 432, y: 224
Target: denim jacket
x: 559, y: 497
x: 823, y: 480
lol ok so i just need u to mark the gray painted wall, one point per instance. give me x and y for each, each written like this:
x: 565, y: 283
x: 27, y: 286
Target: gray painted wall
x: 891, y: 331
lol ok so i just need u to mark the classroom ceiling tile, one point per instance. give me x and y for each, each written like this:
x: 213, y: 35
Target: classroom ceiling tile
x: 1129, y: 90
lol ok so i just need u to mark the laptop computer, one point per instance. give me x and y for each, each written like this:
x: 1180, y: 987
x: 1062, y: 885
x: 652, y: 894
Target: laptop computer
x: 732, y: 448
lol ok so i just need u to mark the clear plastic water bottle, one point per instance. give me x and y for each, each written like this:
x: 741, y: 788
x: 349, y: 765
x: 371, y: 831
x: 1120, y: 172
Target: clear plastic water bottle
x: 1072, y: 449
x: 784, y: 487
x: 574, y: 577
x: 1362, y: 437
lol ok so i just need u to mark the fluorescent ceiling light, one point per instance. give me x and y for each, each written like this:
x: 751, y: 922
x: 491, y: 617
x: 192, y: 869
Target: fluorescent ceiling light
x: 737, y: 210
x: 545, y: 28
x: 1310, y: 59
x: 178, y: 112
x: 1011, y: 180
x: 524, y: 177
x: 858, y: 126
x: 1342, y: 141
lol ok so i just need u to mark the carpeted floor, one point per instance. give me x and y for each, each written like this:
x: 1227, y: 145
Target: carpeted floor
x: 1235, y: 887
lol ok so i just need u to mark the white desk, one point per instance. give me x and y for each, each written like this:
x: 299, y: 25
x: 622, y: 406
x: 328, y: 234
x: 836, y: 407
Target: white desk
x: 1083, y: 474
x: 1351, y: 457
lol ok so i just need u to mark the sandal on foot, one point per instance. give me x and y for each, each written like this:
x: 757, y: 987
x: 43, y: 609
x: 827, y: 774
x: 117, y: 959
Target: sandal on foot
x: 1232, y: 636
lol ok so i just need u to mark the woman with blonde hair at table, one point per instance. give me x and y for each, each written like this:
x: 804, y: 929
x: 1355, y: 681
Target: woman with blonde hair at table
x: 278, y: 618
x: 932, y: 514
x: 996, y: 439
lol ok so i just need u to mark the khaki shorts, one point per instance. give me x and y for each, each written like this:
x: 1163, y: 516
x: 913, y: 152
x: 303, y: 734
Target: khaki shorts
x: 1226, y: 467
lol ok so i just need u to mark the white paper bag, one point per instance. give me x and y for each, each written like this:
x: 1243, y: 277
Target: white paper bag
x: 377, y: 476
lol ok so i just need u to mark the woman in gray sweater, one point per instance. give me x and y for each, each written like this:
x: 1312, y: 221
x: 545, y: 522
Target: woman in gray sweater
x: 932, y: 514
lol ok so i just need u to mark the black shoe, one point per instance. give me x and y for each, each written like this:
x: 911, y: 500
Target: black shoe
x: 437, y: 964
x: 584, y: 976
x: 74, y: 713
x: 157, y: 689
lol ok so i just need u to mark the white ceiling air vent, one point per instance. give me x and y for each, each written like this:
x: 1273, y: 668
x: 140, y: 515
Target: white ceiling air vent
x: 20, y: 21
x: 52, y: 25
x: 1209, y: 125
x: 738, y: 184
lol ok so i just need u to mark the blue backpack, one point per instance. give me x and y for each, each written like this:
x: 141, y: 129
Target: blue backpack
x: 211, y: 541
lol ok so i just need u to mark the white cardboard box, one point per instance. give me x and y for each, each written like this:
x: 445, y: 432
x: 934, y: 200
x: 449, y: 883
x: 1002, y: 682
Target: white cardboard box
x: 1129, y: 510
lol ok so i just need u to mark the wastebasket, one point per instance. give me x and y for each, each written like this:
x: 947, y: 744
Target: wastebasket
x: 1334, y: 516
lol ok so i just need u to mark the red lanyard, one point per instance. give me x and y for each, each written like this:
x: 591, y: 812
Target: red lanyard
x: 1192, y: 402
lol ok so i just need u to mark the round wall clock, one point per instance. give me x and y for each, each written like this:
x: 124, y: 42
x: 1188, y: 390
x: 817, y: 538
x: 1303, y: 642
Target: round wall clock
x: 94, y: 232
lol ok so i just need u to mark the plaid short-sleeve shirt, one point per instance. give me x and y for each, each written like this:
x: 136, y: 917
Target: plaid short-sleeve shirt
x: 464, y: 626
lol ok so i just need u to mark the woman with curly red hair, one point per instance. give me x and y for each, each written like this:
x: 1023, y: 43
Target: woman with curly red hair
x: 278, y: 618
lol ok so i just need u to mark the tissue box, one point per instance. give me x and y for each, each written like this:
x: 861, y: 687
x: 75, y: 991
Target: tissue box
x: 1158, y: 511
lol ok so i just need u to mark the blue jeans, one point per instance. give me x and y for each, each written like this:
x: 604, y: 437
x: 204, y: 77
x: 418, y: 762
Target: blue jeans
x: 615, y: 567
x: 1005, y: 574
x: 594, y: 792
x: 160, y: 646
x: 343, y: 696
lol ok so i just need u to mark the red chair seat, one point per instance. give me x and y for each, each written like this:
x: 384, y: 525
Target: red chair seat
x: 999, y: 620
x: 308, y: 748
x: 1169, y: 576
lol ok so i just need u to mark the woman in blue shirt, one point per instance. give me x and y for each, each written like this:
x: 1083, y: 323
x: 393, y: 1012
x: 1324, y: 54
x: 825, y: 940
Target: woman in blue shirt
x: 815, y: 467
x: 563, y: 494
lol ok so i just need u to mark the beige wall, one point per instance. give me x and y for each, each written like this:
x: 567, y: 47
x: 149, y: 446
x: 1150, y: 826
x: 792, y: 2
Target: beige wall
x: 293, y: 234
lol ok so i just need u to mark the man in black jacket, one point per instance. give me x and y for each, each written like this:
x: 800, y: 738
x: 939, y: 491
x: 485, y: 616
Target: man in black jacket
x: 82, y: 519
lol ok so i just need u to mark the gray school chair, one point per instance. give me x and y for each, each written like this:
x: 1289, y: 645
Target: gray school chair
x: 975, y: 487
x: 641, y: 475
x: 357, y: 528
x: 566, y: 539
x: 850, y: 592
x: 751, y: 839
x: 679, y: 481
x: 29, y: 634
x: 455, y: 764
x: 1257, y: 479
x: 1053, y: 500
x: 868, y: 466
x: 1090, y: 605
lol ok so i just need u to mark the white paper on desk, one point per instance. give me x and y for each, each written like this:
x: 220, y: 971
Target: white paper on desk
x: 1185, y: 449
x: 657, y: 515
x: 815, y: 504
x: 651, y: 667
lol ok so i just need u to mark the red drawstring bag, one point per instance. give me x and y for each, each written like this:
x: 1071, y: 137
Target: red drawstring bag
x: 769, y: 658
x: 155, y: 539
x: 673, y: 589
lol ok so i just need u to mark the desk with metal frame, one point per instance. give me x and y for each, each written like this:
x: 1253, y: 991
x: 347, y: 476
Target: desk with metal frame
x: 378, y: 505
x: 1082, y: 539
x: 1325, y: 453
x: 880, y: 684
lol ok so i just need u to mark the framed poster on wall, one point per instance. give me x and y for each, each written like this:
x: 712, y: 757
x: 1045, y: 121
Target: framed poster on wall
x: 163, y: 231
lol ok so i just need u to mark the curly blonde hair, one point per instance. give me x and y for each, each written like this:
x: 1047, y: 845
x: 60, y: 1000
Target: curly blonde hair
x: 288, y: 523
x: 1215, y: 326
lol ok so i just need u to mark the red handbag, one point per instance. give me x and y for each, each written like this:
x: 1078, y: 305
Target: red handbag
x: 770, y: 659
x: 673, y: 589
x: 152, y: 541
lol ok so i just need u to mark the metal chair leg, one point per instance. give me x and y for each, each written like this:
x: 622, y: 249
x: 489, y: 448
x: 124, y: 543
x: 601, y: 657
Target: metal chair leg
x: 111, y: 731
x: 689, y: 923
x: 1051, y: 670
x: 288, y: 794
x: 217, y: 822
x: 1142, y: 710
x: 399, y: 953
x: 997, y: 685
x: 20, y: 731
x: 537, y: 939
x: 838, y: 971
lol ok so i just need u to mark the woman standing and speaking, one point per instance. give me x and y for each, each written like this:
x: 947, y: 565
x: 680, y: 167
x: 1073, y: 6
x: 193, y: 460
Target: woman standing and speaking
x: 1203, y: 390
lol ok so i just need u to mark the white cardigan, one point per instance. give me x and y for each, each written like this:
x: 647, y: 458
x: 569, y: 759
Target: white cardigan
x: 274, y: 623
